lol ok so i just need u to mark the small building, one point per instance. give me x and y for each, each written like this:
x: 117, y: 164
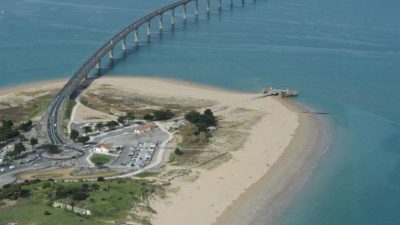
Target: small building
x: 144, y: 128
x: 103, y: 148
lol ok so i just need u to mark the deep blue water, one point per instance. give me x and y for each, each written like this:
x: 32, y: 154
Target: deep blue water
x: 342, y: 55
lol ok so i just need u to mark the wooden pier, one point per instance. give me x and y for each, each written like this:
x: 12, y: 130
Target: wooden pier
x: 279, y: 92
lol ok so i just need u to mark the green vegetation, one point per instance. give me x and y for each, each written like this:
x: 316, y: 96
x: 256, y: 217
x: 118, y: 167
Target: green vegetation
x: 99, y: 126
x: 111, y: 125
x: 164, y: 114
x: 25, y: 126
x: 100, y: 160
x: 33, y: 142
x: 83, y: 139
x: 68, y: 108
x: 27, y: 110
x: 8, y: 132
x: 148, y: 117
x: 202, y: 121
x: 147, y: 174
x: 51, y: 149
x: 107, y: 200
x: 196, y: 133
x: 16, y: 153
x: 128, y: 117
x: 74, y: 135
x: 178, y: 151
x: 87, y: 129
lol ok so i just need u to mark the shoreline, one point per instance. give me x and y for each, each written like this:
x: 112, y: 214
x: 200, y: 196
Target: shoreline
x: 266, y: 200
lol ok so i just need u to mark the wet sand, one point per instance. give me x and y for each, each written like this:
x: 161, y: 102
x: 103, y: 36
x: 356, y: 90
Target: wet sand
x: 264, y: 201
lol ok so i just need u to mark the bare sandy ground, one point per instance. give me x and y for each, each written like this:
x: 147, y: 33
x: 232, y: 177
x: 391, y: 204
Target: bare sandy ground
x: 32, y: 87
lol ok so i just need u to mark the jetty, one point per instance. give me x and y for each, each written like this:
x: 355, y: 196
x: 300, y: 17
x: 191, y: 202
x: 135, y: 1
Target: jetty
x: 279, y: 92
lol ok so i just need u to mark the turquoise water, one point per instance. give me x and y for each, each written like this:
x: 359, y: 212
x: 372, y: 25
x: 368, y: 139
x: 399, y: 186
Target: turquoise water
x: 342, y: 55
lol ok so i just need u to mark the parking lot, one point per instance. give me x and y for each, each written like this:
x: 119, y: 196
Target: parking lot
x: 137, y: 149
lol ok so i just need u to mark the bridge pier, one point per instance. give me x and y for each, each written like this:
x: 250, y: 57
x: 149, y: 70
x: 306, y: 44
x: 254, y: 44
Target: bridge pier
x: 219, y: 5
x: 124, y: 45
x: 231, y: 3
x: 136, y: 37
x: 160, y: 22
x: 208, y: 7
x: 184, y: 11
x: 111, y: 55
x: 196, y: 9
x: 148, y: 30
x: 173, y: 17
x: 98, y: 66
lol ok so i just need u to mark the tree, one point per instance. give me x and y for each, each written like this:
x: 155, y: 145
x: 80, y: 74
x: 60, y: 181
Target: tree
x: 87, y: 129
x: 33, y: 142
x: 209, y: 118
x: 50, y: 148
x: 79, y: 196
x: 202, y: 121
x: 83, y: 139
x: 130, y: 116
x: 19, y: 148
x: 10, y: 155
x: 178, y: 151
x: 99, y: 125
x: 193, y: 116
x: 121, y: 119
x: 26, y: 126
x: 101, y: 179
x: 111, y: 124
x: 74, y: 135
x: 148, y: 117
x: 164, y: 114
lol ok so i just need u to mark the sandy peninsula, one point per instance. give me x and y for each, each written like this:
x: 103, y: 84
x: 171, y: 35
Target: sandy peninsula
x: 254, y: 138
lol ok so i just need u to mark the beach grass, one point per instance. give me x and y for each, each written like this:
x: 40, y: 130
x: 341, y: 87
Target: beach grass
x: 27, y: 110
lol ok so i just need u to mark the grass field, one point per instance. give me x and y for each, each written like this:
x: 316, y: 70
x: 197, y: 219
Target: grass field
x: 107, y: 201
x: 100, y: 160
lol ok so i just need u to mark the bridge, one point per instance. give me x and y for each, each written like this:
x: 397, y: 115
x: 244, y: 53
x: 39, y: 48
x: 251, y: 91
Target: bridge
x: 55, y: 114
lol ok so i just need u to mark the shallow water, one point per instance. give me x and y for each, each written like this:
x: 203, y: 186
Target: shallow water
x: 342, y: 55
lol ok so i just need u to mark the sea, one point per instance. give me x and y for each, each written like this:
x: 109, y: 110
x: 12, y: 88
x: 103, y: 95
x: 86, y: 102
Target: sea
x: 343, y: 56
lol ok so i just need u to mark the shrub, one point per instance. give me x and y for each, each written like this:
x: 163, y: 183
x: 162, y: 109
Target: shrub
x: 47, y: 213
x: 79, y: 196
x: 178, y: 151
x: 101, y: 179
x: 46, y: 185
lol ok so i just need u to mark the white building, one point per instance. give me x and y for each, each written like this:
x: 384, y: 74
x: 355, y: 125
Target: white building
x: 103, y: 149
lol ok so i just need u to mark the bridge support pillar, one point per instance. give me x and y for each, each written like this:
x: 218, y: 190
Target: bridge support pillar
x: 148, y: 30
x: 98, y: 66
x: 219, y: 5
x: 160, y: 21
x: 124, y: 45
x: 136, y: 37
x: 111, y: 54
x: 184, y: 11
x: 231, y: 3
x: 196, y: 8
x: 173, y: 17
x: 208, y: 6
